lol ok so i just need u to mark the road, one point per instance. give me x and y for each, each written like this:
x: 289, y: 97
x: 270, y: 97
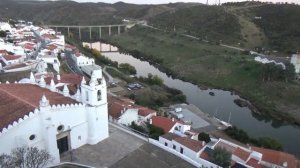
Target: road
x: 197, y: 38
x: 71, y: 63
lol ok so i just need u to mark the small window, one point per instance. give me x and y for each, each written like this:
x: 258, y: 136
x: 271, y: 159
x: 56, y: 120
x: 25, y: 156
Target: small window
x: 60, y: 128
x: 87, y: 96
x: 174, y: 147
x: 32, y: 137
x: 166, y: 144
x: 99, y: 95
x: 181, y: 150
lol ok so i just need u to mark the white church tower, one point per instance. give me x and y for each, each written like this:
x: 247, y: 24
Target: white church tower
x: 94, y: 94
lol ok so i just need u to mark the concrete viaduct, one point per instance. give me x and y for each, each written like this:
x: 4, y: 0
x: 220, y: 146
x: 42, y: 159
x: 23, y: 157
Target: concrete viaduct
x: 99, y: 27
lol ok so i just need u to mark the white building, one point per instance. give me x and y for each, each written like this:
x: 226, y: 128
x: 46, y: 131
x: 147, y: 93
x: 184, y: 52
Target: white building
x: 38, y: 115
x: 295, y: 60
x: 4, y: 26
x: 11, y: 59
x: 82, y: 60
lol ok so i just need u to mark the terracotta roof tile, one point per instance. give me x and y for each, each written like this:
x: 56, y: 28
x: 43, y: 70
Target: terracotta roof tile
x: 194, y: 145
x: 277, y: 157
x: 116, y: 106
x: 144, y: 111
x: 242, y: 154
x: 11, y: 57
x: 66, y: 78
x: 17, y: 100
x: 165, y: 123
x: 254, y: 163
x: 204, y: 155
x: 170, y: 136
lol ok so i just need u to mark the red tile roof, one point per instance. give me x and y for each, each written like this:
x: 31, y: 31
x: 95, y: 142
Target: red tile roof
x: 277, y: 157
x: 11, y: 57
x: 204, y: 155
x: 144, y: 111
x: 165, y: 123
x: 242, y: 154
x: 51, y: 47
x: 66, y: 78
x: 254, y: 163
x: 17, y: 100
x: 194, y: 145
x: 170, y: 136
x: 116, y: 106
x: 3, y: 51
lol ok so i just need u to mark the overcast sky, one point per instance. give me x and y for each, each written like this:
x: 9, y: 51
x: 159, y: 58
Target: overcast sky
x: 167, y: 1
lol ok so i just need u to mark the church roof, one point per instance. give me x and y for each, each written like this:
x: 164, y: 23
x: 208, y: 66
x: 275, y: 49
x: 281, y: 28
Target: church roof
x: 18, y: 100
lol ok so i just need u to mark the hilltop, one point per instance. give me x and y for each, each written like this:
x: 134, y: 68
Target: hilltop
x: 246, y: 24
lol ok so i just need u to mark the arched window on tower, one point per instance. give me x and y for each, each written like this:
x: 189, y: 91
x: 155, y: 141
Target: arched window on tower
x: 99, y: 95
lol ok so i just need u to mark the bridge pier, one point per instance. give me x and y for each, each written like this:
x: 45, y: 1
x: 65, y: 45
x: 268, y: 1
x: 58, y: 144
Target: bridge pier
x: 100, y: 33
x: 109, y: 30
x: 56, y: 29
x: 69, y: 31
x: 79, y: 33
x: 119, y: 30
x: 100, y: 47
x: 90, y: 33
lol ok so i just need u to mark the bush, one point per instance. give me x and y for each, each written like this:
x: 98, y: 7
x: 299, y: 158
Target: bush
x: 243, y: 137
x: 204, y: 137
x: 127, y: 68
x: 155, y: 132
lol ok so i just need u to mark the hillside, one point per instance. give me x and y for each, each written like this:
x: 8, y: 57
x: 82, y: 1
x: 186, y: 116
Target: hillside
x: 69, y: 12
x: 211, y: 23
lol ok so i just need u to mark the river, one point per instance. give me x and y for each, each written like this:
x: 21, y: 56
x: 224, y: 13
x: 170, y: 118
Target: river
x: 220, y: 105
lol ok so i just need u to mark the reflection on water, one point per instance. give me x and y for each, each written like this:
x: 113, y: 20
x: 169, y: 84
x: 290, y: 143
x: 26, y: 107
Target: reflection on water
x: 242, y: 117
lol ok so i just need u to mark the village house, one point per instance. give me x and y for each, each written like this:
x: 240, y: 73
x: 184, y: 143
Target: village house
x: 124, y: 111
x: 36, y: 114
x: 82, y: 60
x: 183, y: 142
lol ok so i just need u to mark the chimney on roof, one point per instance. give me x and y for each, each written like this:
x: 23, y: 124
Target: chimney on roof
x: 52, y: 86
x: 44, y: 102
x: 203, y: 143
x: 66, y: 90
x: 78, y: 96
x: 58, y: 77
x: 42, y: 82
x: 285, y: 164
x: 173, y: 119
x: 150, y: 122
x: 83, y: 82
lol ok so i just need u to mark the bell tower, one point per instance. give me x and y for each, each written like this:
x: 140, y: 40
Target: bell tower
x: 94, y: 92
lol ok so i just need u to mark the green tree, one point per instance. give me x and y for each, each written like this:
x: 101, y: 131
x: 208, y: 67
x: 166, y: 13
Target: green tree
x: 127, y: 68
x: 155, y: 132
x: 23, y: 157
x: 204, y: 137
x: 269, y: 143
x: 221, y: 157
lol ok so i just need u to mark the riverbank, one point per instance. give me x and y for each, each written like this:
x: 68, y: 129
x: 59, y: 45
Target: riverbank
x: 213, y: 66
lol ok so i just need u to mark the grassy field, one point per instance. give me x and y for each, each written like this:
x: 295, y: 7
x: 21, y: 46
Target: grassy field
x: 211, y: 65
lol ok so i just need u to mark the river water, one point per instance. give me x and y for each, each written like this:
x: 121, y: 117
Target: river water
x: 220, y: 105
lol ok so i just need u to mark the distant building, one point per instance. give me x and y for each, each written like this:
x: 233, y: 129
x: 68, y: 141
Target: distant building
x: 295, y: 60
x: 82, y: 60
